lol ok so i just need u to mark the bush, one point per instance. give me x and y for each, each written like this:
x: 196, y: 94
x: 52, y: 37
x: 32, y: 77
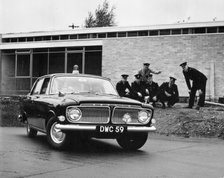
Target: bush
x: 9, y: 110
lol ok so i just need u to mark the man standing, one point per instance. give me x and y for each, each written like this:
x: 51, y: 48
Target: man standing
x: 146, y: 71
x: 123, y: 87
x: 138, y: 90
x: 151, y: 89
x: 198, y: 83
x: 168, y: 91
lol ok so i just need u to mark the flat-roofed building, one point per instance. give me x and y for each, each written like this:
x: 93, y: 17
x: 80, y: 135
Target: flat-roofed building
x: 111, y: 51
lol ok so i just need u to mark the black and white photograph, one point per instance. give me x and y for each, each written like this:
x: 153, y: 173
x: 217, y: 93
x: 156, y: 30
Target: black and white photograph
x: 111, y: 88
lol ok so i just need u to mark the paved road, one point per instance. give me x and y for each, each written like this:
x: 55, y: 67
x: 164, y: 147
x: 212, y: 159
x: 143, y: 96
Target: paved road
x: 162, y: 156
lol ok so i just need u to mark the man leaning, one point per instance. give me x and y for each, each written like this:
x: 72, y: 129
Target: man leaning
x: 198, y: 84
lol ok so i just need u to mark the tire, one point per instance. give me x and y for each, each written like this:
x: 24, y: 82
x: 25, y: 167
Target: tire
x: 30, y: 131
x: 133, y: 141
x: 56, y: 138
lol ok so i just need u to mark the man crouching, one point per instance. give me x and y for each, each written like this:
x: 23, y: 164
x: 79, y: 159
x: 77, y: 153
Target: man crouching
x: 168, y: 91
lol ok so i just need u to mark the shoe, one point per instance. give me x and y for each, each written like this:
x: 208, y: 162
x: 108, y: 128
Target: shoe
x: 163, y: 107
x: 197, y: 107
x: 169, y: 106
x: 188, y: 107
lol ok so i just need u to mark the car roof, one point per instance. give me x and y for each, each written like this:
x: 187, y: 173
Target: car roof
x: 74, y: 75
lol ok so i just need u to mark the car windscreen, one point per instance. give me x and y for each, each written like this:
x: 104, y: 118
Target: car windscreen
x: 82, y: 85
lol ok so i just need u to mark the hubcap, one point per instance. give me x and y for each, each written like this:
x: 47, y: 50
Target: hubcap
x: 56, y: 134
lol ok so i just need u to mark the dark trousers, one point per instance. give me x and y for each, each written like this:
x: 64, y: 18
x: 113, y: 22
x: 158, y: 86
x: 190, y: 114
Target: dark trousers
x: 170, y: 100
x: 194, y: 89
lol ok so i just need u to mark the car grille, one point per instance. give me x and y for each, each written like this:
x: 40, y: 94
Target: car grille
x: 118, y: 113
x: 94, y: 114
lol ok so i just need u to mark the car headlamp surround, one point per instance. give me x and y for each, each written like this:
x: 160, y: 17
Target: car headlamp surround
x: 144, y: 116
x: 73, y: 114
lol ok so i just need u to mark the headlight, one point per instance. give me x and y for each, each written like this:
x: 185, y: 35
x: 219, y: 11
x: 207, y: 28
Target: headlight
x: 73, y: 114
x: 144, y: 117
x: 127, y: 118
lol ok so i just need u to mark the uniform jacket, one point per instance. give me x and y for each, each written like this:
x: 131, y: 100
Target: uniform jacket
x: 122, y: 86
x: 137, y: 87
x: 198, y: 78
x: 173, y: 90
x: 153, y: 88
x: 145, y: 73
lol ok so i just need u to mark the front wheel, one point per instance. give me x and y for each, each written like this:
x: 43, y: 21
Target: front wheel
x: 30, y: 131
x: 56, y: 138
x: 132, y: 141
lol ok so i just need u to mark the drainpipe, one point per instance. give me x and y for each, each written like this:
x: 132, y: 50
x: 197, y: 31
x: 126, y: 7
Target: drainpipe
x: 212, y: 80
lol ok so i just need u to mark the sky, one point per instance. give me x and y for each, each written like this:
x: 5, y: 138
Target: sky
x: 47, y: 15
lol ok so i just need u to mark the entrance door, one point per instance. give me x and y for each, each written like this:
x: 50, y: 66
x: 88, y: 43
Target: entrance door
x: 74, y: 59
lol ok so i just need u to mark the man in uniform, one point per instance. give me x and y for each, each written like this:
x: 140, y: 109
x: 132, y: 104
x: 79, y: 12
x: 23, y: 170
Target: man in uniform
x: 123, y: 87
x: 151, y: 89
x: 138, y: 90
x: 198, y: 84
x: 146, y: 71
x: 168, y: 91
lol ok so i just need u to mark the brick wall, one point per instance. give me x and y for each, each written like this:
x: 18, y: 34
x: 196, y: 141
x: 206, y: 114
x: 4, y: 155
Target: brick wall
x: 204, y: 52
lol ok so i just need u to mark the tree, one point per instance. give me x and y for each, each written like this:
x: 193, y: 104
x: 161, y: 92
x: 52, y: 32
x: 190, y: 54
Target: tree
x: 104, y: 16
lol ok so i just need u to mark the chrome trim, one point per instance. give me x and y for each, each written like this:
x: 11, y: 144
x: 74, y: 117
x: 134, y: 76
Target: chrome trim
x: 68, y: 116
x: 109, y: 111
x: 93, y: 128
x: 141, y: 129
x: 76, y: 127
x: 139, y: 109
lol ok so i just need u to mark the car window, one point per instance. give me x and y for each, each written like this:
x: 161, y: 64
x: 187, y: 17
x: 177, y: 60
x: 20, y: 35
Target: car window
x: 81, y: 84
x: 37, y: 87
x: 45, y: 86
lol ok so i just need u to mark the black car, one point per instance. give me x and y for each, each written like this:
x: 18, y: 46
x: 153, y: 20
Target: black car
x: 70, y: 107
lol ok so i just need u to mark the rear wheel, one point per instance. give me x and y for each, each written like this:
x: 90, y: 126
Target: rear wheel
x: 132, y: 141
x: 30, y: 131
x: 56, y: 138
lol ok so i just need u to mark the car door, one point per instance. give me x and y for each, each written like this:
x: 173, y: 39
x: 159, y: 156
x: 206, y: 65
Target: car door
x: 41, y: 104
x: 31, y: 106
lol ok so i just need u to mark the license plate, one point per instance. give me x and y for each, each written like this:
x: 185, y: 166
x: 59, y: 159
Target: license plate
x: 111, y: 129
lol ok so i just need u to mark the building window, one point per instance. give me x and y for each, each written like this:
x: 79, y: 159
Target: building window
x: 102, y: 35
x: 64, y: 37
x: 22, y: 84
x: 212, y: 30
x: 131, y: 34
x: 23, y: 65
x: 93, y: 35
x: 8, y: 63
x: 38, y: 38
x: 14, y: 39
x: 6, y: 40
x: 74, y: 59
x: 73, y: 36
x: 143, y: 33
x: 55, y: 37
x: 221, y: 29
x: 29, y: 38
x: 185, y: 30
x: 40, y: 62
x: 83, y: 36
x: 47, y: 38
x: 164, y: 32
x: 199, y: 30
x: 153, y: 33
x: 93, y: 63
x: 112, y: 35
x: 122, y: 34
x: 176, y: 31
x: 56, y: 63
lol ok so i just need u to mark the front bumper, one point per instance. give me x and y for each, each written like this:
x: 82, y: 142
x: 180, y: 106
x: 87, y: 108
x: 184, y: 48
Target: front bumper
x: 71, y: 127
